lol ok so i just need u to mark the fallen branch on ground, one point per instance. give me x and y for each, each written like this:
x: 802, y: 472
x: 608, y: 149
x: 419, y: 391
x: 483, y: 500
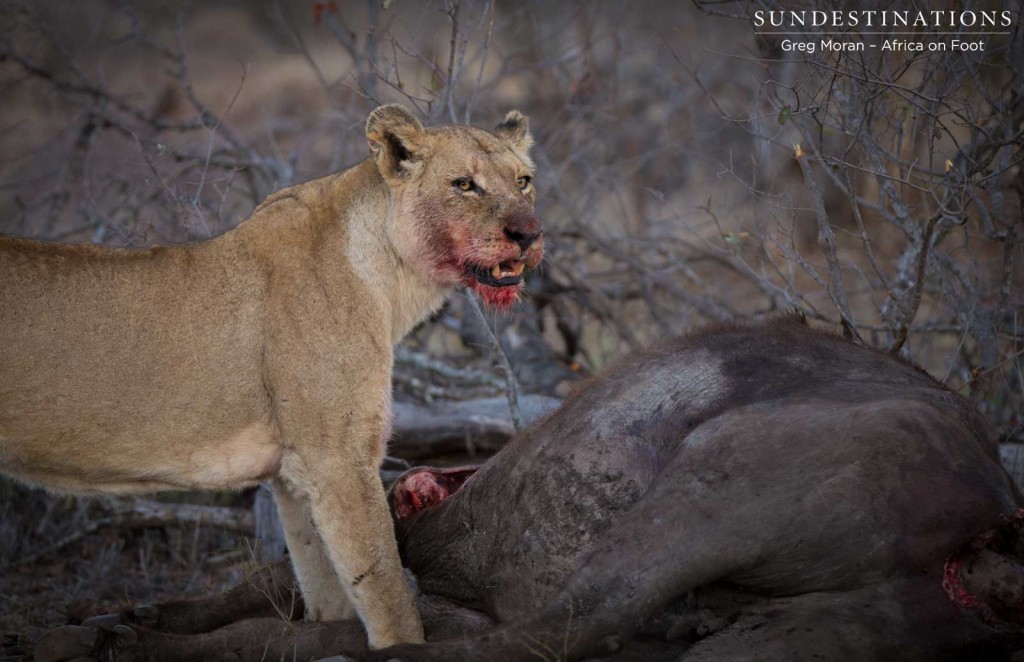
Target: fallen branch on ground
x: 472, y: 426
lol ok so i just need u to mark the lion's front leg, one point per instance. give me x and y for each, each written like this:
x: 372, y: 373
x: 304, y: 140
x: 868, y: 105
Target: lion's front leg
x: 325, y: 597
x: 331, y: 466
x: 352, y: 519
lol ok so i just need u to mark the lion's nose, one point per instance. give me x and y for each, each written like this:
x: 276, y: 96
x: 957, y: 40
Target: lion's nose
x: 524, y: 238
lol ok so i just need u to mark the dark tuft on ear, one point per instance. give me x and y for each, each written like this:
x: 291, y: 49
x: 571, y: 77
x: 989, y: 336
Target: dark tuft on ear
x: 394, y: 135
x: 516, y: 131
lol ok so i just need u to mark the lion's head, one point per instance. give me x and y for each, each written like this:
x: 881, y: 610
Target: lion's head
x: 463, y: 200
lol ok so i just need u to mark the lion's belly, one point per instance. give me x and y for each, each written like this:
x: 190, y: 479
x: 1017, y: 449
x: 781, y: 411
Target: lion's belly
x: 241, y: 458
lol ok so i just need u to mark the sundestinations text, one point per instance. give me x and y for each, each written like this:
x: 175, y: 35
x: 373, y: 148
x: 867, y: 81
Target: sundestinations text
x: 878, y: 18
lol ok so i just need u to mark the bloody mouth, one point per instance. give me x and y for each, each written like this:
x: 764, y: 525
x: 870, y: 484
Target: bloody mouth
x: 504, y: 274
x: 499, y: 285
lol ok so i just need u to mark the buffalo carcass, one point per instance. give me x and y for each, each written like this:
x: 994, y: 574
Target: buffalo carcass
x: 762, y: 490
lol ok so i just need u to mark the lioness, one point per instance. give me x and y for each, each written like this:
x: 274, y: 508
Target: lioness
x: 266, y: 353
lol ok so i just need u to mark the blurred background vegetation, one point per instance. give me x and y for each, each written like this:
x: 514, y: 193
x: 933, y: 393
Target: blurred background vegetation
x: 689, y: 171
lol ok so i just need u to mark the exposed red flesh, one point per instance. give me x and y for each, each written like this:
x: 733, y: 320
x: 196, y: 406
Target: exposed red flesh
x: 425, y: 487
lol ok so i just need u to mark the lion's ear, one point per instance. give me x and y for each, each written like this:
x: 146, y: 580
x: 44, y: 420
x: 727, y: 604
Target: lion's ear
x: 396, y: 138
x: 516, y: 131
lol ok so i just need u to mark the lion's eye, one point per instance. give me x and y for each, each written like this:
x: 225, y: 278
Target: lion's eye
x: 464, y: 184
x: 523, y: 182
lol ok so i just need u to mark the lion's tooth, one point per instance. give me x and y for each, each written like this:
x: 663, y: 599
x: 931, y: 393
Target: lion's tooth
x: 496, y: 271
x: 518, y: 269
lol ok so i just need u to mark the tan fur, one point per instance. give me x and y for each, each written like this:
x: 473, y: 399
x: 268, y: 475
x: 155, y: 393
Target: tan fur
x: 264, y: 353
